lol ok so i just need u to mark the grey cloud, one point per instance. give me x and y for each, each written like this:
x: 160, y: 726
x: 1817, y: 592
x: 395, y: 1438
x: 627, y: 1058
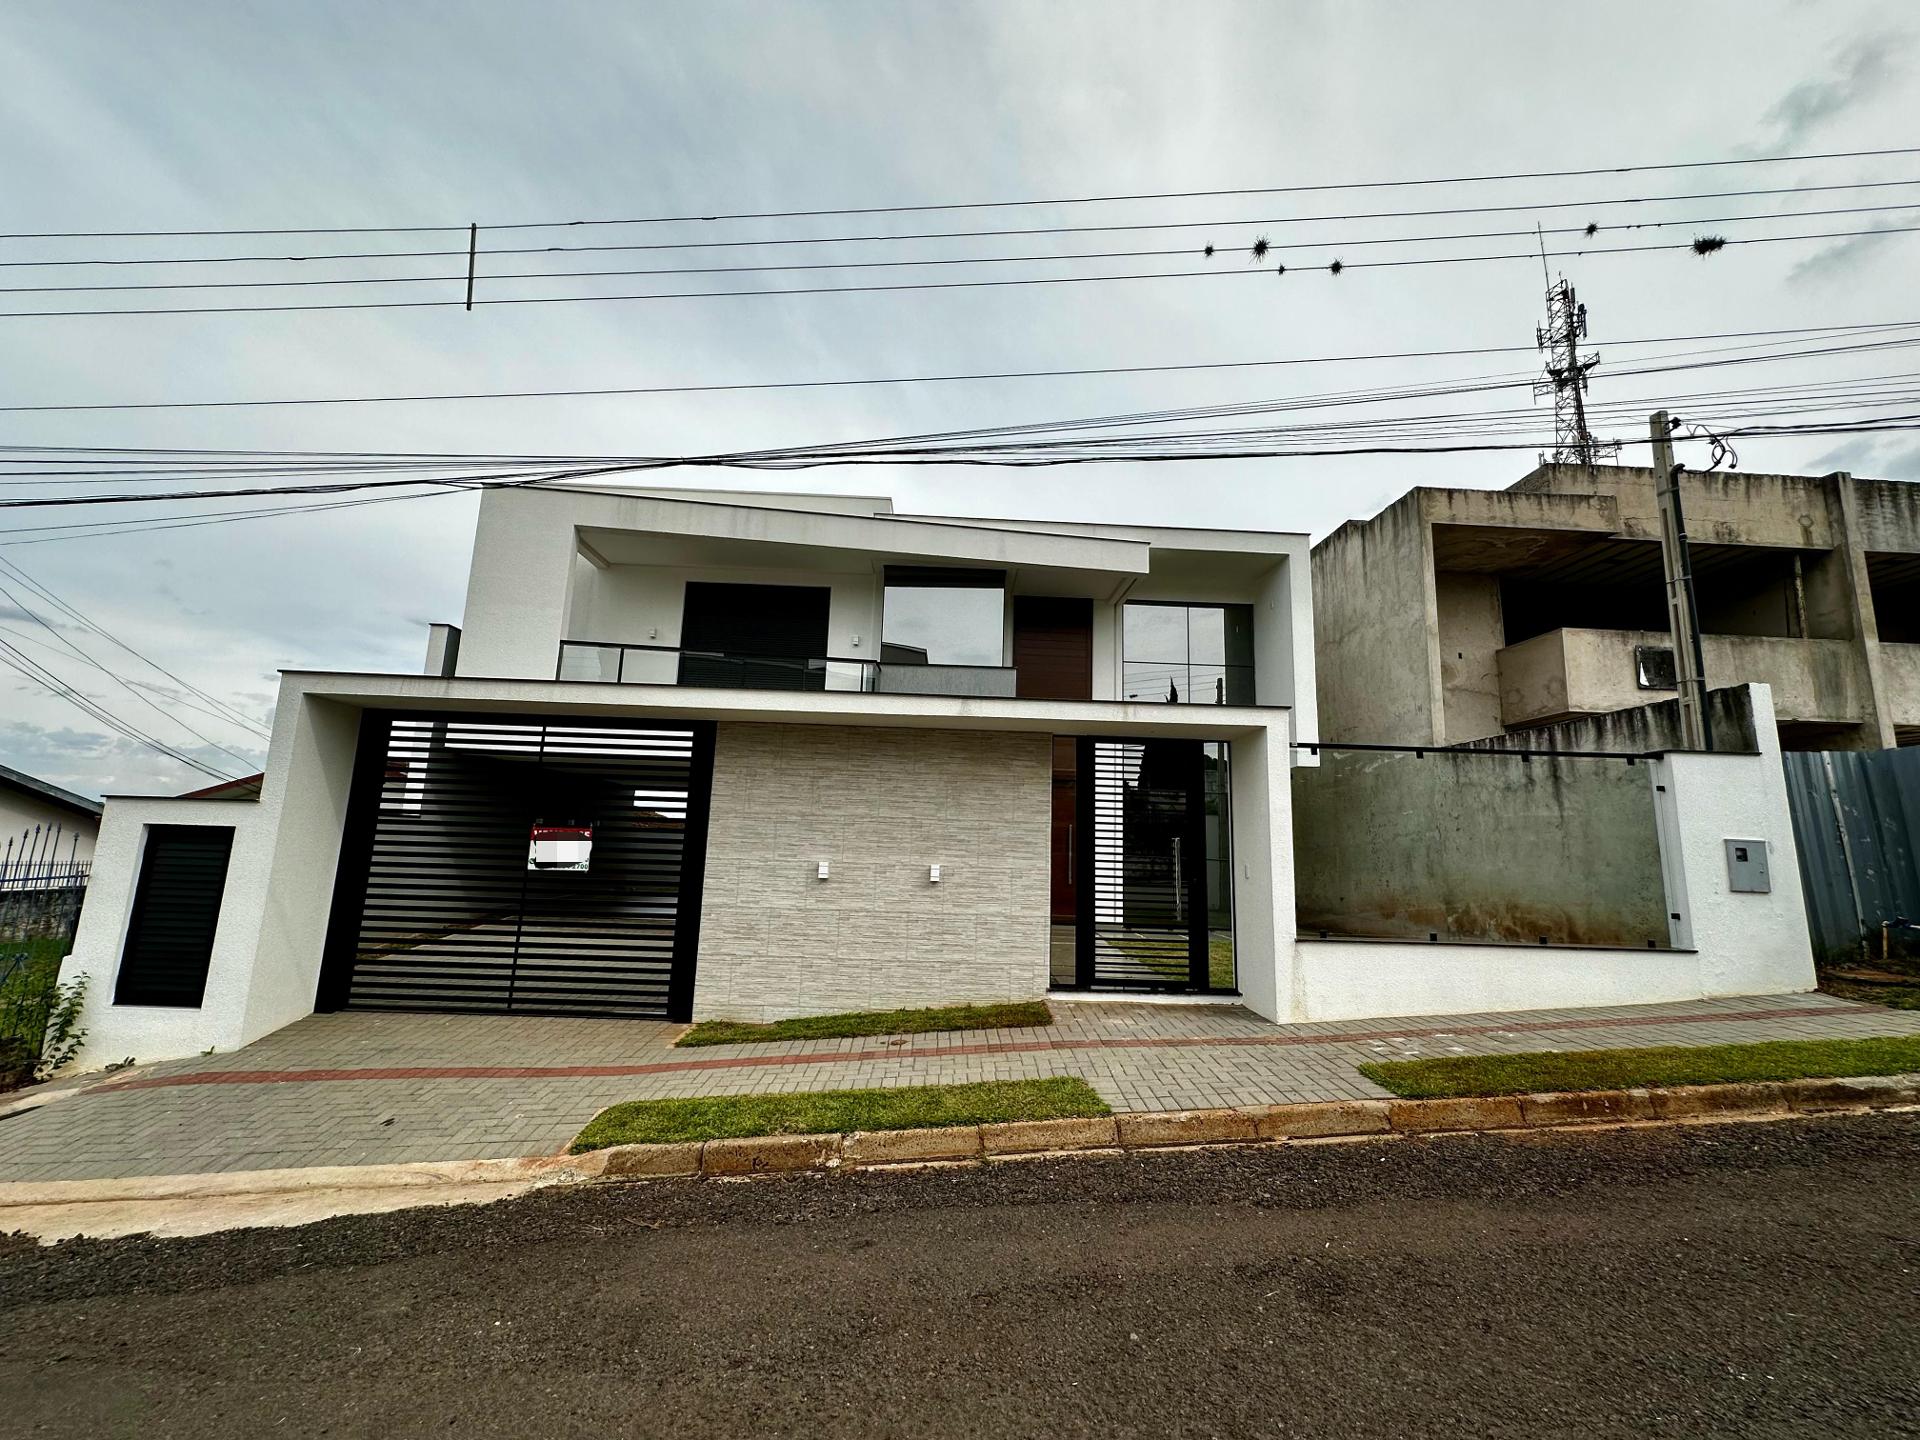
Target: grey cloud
x: 1840, y: 257
x: 1871, y: 457
x: 1860, y: 71
x: 1896, y: 461
x: 1850, y: 456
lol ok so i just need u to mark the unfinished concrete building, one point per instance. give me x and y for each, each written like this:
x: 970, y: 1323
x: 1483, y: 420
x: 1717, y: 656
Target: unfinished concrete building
x: 1456, y: 615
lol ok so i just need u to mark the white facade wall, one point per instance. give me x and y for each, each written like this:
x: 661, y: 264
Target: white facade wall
x: 644, y: 605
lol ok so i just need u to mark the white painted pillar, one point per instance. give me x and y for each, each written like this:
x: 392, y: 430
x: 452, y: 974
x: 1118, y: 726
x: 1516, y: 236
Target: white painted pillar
x: 1260, y: 776
x: 1747, y: 944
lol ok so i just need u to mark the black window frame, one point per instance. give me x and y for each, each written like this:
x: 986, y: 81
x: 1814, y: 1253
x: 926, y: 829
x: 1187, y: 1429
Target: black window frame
x: 1236, y: 677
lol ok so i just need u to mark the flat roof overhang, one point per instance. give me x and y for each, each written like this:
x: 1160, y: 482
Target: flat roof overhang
x: 785, y: 707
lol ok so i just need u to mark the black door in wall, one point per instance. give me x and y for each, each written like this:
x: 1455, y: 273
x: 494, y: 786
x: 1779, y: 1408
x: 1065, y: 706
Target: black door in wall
x: 755, y: 637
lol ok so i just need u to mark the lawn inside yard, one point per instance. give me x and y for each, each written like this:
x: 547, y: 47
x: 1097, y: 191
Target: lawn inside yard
x: 872, y: 1022
x: 829, y: 1112
x: 1627, y: 1069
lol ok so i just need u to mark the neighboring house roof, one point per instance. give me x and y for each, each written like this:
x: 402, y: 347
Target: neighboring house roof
x: 24, y: 784
x: 247, y: 787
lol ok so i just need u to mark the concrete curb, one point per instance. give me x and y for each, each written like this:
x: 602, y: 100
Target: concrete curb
x: 990, y: 1144
x: 1260, y: 1124
x: 422, y: 1175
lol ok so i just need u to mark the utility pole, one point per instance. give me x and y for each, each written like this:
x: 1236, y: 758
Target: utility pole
x: 1566, y: 374
x: 1683, y: 616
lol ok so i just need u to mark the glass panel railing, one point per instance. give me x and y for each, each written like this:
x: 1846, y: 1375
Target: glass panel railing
x: 588, y: 662
x: 1179, y: 683
x: 721, y: 670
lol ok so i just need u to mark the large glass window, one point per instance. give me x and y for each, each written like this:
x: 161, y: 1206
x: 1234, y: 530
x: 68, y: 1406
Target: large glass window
x: 936, y: 616
x: 1188, y: 654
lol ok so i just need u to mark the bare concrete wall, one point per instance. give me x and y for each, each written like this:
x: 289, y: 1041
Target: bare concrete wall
x: 1737, y: 508
x: 1900, y: 670
x: 1642, y: 730
x: 1373, y: 629
x: 880, y: 807
x: 1471, y: 847
x: 1472, y: 634
x: 1572, y: 672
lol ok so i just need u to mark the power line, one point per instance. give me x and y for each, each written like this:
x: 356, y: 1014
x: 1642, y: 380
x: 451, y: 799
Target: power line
x: 942, y: 448
x: 118, y: 679
x: 1336, y: 267
x: 978, y: 375
x: 32, y: 669
x: 237, y: 716
x: 1187, y: 223
x: 496, y: 276
x: 110, y: 529
x: 21, y: 637
x: 987, y: 204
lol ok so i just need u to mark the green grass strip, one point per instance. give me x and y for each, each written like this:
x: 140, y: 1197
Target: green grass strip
x: 872, y: 1022
x: 1663, y: 1065
x: 827, y: 1112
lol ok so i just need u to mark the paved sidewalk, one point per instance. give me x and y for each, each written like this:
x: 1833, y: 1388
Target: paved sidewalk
x: 363, y: 1088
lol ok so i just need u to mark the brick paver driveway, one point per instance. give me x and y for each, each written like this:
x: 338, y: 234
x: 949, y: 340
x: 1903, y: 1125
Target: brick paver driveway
x: 363, y: 1088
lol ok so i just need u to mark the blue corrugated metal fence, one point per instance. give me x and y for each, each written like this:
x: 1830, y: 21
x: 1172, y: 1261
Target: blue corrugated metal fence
x: 1856, y: 824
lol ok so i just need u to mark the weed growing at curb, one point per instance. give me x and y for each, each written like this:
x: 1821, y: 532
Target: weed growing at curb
x: 1014, y: 1016
x: 827, y: 1112
x: 1632, y: 1069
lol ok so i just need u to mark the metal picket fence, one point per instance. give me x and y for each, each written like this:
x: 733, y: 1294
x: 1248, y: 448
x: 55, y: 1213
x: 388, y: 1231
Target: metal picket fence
x: 42, y: 886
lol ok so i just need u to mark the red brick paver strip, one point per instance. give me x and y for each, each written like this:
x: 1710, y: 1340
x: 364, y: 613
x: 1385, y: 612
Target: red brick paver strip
x: 941, y: 1051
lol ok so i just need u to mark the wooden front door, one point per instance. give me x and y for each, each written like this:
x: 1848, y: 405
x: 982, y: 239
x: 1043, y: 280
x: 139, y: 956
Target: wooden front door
x: 1052, y: 648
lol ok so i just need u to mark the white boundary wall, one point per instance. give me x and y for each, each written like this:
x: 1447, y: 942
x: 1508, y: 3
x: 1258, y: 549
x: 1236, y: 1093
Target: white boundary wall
x: 1726, y: 943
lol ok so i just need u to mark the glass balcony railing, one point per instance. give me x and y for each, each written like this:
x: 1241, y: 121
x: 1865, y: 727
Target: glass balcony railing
x: 728, y: 670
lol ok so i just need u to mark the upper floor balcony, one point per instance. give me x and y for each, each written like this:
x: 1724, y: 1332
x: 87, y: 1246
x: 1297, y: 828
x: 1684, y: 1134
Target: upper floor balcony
x: 732, y: 670
x: 1570, y: 672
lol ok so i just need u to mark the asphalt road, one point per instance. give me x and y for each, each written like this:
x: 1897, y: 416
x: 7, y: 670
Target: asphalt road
x: 1758, y: 1279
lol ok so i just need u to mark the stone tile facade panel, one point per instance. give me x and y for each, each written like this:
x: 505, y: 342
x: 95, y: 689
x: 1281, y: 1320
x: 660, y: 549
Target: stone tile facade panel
x: 879, y: 806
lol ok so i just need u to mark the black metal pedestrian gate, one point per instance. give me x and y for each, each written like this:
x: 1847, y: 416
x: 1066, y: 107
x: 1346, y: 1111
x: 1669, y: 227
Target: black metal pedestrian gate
x: 1143, y: 921
x: 525, y: 865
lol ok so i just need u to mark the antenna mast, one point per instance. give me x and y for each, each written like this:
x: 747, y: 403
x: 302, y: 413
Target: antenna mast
x: 1566, y: 374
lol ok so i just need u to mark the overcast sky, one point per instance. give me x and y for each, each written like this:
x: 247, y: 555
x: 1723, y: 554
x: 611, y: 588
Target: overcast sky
x: 135, y: 116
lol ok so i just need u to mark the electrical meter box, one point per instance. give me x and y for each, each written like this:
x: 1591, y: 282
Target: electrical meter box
x: 1747, y: 867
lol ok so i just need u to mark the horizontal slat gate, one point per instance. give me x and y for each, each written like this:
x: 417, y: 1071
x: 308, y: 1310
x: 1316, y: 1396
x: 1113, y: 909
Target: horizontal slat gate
x: 176, y: 909
x: 451, y: 915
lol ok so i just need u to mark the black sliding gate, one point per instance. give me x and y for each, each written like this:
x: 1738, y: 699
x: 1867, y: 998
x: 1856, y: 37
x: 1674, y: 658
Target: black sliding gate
x: 519, y: 864
x: 1142, y: 922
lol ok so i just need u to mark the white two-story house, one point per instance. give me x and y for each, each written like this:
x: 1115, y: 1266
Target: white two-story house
x: 698, y: 753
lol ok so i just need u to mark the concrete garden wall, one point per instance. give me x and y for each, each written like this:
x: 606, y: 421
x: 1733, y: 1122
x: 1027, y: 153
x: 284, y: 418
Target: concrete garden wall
x: 1478, y: 847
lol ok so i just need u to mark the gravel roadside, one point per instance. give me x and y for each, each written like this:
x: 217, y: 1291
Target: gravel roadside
x: 1744, y: 1279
